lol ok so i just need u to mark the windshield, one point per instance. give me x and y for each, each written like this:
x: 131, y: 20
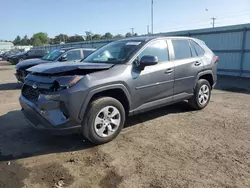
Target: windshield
x: 53, y: 55
x: 116, y: 52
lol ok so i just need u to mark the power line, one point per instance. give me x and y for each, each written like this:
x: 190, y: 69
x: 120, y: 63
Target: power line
x: 180, y: 25
x: 233, y: 15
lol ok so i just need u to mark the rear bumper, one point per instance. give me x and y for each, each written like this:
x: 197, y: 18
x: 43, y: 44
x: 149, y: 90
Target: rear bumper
x: 214, y: 84
x: 51, y: 119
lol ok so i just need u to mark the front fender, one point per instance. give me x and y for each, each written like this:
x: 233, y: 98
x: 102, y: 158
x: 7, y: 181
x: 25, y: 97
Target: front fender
x: 101, y: 89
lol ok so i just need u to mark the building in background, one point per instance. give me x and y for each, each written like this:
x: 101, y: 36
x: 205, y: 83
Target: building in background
x: 5, y: 46
x: 23, y: 48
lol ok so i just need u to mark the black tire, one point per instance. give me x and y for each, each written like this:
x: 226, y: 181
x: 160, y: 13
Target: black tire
x: 194, y: 101
x: 88, y: 125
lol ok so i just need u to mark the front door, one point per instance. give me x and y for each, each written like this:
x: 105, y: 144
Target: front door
x: 154, y: 82
x: 73, y: 55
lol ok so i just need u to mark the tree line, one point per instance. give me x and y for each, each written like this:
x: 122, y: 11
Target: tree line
x: 41, y: 38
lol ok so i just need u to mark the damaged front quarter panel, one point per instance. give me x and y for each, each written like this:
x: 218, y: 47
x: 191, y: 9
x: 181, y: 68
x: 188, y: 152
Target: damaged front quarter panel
x: 69, y: 68
x: 63, y: 76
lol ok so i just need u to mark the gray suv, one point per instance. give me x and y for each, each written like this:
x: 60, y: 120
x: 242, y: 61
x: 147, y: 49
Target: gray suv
x: 120, y: 79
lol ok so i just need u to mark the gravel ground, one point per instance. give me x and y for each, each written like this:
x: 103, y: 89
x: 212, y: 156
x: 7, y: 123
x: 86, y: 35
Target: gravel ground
x: 168, y: 147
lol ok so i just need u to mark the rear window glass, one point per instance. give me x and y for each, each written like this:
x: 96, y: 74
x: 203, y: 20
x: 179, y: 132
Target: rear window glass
x: 181, y: 49
x: 193, y: 52
x: 199, y: 50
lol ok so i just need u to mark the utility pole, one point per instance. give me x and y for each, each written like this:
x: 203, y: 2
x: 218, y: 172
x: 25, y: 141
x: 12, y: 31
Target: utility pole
x: 152, y: 16
x: 213, y: 21
x: 148, y: 29
x: 132, y: 31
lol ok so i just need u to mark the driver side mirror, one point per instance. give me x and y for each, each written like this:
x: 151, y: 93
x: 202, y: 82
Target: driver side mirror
x: 63, y: 58
x: 148, y: 60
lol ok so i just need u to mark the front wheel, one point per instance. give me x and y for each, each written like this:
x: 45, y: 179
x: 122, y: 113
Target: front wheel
x: 104, y: 120
x: 202, y: 94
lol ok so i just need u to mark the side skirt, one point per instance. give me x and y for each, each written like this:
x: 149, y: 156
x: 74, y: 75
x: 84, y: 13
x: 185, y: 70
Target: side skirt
x: 160, y: 103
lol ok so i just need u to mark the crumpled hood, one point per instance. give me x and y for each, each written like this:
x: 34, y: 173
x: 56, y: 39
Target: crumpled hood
x: 61, y: 67
x: 30, y: 62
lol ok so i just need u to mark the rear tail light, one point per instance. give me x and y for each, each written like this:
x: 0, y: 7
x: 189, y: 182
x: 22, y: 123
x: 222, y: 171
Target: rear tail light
x: 216, y: 59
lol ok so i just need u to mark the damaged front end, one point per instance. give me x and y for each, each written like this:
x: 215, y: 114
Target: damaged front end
x: 52, y: 101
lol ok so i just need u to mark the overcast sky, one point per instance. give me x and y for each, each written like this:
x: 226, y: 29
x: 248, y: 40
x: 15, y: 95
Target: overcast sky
x: 21, y: 17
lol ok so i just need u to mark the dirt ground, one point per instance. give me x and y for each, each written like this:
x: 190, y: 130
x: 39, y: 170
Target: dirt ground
x: 168, y: 147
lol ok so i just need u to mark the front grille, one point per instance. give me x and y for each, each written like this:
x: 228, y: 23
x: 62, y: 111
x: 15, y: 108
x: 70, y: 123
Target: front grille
x: 32, y: 94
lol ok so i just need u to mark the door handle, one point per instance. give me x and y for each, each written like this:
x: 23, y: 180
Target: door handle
x: 169, y: 71
x: 197, y: 63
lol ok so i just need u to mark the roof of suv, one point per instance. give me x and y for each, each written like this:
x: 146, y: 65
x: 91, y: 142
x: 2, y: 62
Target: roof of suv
x: 75, y: 48
x: 147, y: 38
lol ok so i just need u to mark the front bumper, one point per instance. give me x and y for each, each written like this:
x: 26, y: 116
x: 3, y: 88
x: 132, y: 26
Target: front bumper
x: 13, y: 61
x: 46, y: 115
x: 19, y: 77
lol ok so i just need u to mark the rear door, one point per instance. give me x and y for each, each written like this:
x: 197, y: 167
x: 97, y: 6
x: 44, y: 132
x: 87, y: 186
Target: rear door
x: 187, y: 66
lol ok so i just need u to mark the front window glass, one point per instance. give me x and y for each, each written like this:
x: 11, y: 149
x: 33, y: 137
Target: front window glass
x: 115, y: 52
x: 53, y: 55
x: 73, y: 55
x: 86, y: 53
x: 157, y: 48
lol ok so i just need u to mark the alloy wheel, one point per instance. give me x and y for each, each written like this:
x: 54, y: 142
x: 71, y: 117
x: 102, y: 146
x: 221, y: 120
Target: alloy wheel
x: 203, y: 96
x: 107, y: 121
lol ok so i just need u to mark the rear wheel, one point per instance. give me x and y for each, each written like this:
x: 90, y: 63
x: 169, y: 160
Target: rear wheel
x: 104, y: 120
x: 201, y: 95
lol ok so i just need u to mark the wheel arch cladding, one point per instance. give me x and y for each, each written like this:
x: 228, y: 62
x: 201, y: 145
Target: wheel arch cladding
x: 118, y: 92
x: 209, y: 78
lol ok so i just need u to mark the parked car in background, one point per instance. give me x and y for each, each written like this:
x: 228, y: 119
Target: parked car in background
x: 31, y: 54
x: 61, y: 55
x: 1, y: 55
x: 122, y: 78
x: 6, y: 56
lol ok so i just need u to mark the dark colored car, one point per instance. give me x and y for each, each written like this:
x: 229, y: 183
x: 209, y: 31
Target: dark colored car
x: 62, y: 55
x: 6, y: 56
x: 31, y: 54
x: 123, y: 78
